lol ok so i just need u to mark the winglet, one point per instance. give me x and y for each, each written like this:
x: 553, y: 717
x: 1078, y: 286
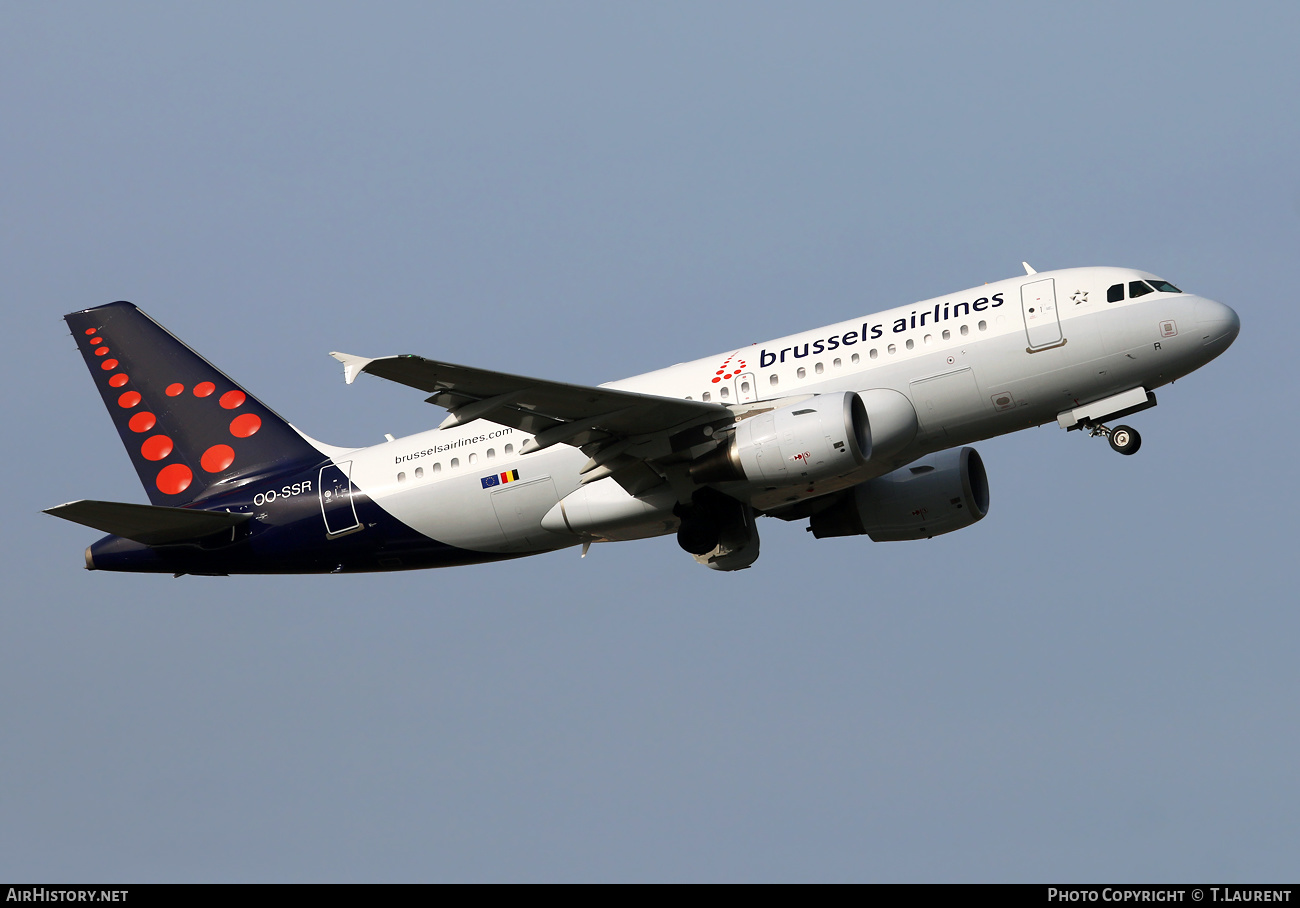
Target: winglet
x: 1028, y: 270
x: 352, y: 365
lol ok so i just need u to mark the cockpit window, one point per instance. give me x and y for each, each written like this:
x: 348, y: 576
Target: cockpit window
x: 1138, y: 288
x: 1165, y: 287
x: 1115, y: 293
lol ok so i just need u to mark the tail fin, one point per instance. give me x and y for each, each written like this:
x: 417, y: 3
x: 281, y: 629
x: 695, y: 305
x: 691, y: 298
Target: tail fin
x: 189, y: 429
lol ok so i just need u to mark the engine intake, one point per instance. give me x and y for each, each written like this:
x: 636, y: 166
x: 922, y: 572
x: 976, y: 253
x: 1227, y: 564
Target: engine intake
x: 935, y: 495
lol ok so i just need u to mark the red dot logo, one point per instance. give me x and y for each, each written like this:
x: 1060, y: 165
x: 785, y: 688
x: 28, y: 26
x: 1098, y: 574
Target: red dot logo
x: 174, y: 389
x: 129, y: 399
x: 232, y: 399
x: 108, y: 365
x: 174, y: 479
x: 217, y: 458
x: 156, y: 447
x: 204, y: 389
x: 117, y: 380
x: 96, y: 341
x: 142, y: 422
x: 91, y: 330
x: 101, y: 351
x: 716, y: 380
x: 245, y: 424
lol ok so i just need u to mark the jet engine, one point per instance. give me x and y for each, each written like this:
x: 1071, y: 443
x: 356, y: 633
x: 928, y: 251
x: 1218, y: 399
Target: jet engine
x: 826, y: 436
x: 935, y: 495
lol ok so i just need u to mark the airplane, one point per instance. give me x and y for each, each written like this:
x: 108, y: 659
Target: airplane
x: 862, y: 427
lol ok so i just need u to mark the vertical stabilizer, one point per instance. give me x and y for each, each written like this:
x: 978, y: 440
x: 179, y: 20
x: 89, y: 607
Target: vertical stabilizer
x: 188, y: 428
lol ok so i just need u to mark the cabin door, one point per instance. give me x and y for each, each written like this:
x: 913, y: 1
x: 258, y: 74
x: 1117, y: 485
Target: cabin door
x: 1042, y: 319
x: 336, y: 505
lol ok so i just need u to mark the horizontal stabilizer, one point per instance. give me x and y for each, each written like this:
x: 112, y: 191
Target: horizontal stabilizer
x: 148, y: 524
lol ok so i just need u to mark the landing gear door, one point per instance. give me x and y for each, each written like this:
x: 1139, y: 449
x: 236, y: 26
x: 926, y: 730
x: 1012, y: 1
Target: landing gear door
x: 1042, y: 320
x: 336, y: 505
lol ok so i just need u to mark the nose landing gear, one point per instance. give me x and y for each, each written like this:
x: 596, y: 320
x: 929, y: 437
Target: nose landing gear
x: 1124, y: 439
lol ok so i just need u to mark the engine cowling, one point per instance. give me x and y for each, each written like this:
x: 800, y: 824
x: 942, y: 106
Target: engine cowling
x: 826, y: 436
x: 891, y: 419
x: 935, y: 495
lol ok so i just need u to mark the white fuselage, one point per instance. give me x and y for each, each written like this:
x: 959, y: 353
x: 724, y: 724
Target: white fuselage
x: 982, y: 362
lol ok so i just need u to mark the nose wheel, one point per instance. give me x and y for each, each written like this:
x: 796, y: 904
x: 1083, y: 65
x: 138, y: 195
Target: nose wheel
x: 1124, y: 439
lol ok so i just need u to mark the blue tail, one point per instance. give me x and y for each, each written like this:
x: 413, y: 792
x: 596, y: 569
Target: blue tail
x: 190, y: 430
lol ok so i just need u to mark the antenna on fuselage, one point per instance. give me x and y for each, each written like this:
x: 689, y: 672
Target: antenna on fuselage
x: 1028, y: 269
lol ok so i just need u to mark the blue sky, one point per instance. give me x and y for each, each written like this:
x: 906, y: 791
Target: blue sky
x: 1097, y: 682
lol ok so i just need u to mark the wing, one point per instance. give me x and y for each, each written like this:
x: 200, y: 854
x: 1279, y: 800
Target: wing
x: 617, y: 429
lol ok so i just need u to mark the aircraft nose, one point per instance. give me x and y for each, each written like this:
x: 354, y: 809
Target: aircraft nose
x: 1218, y: 324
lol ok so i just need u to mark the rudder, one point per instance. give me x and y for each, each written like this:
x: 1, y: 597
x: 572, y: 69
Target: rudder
x: 187, y: 426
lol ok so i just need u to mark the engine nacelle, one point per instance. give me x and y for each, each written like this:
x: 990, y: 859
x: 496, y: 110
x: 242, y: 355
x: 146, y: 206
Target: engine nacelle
x: 813, y: 439
x: 935, y: 495
x: 821, y: 438
x: 891, y: 419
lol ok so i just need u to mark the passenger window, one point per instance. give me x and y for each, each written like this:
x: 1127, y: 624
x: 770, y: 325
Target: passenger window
x: 802, y: 373
x: 965, y: 329
x: 723, y: 392
x: 1115, y: 293
x: 455, y: 462
x: 892, y: 348
x: 401, y: 477
x: 437, y: 468
x: 473, y: 458
x: 510, y: 449
x: 419, y: 472
x: 874, y: 354
x: 947, y: 335
x: 910, y: 343
x: 818, y: 368
x: 773, y: 380
x: 1165, y: 287
x: 929, y: 339
x: 836, y: 363
x: 744, y: 387
x: 706, y: 396
x: 491, y: 454
x: 1138, y: 288
x: 983, y: 325
x: 854, y: 359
